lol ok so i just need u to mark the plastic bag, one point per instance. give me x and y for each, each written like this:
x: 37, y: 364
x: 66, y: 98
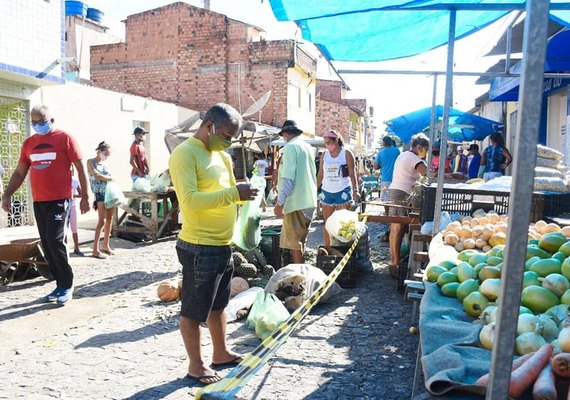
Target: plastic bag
x: 547, y: 152
x: 334, y: 225
x: 160, y: 184
x: 142, y: 185
x: 444, y: 220
x: 266, y: 314
x: 271, y: 197
x: 114, y: 196
x: 247, y: 232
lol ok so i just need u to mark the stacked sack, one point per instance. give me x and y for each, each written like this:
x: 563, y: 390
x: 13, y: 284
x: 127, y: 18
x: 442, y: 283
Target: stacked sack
x: 550, y: 172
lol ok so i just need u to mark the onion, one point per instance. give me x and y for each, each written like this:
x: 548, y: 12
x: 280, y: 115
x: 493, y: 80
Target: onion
x: 487, y: 336
x: 528, y: 342
x: 564, y: 339
x: 491, y: 288
x: 555, y: 347
x: 548, y: 328
x: 489, y: 314
x: 558, y: 313
x: 527, y: 323
x: 556, y: 283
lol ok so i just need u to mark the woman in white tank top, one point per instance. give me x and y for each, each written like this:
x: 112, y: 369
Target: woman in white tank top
x: 336, y: 178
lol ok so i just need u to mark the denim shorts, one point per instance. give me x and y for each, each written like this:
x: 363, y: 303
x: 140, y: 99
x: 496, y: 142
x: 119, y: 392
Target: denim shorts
x: 99, y: 197
x: 206, y: 277
x: 336, y: 199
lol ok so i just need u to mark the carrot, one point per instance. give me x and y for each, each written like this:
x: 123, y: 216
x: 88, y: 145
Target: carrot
x: 524, y: 376
x: 545, y: 388
x: 561, y: 365
x: 484, y: 380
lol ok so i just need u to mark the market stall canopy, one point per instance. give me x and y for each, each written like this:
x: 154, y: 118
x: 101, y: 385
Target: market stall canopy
x: 254, y: 136
x: 365, y: 31
x: 316, y: 141
x: 462, y: 126
x: 557, y: 60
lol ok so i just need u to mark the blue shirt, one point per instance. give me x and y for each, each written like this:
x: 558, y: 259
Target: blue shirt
x: 474, y: 166
x: 386, y: 158
x: 494, y: 158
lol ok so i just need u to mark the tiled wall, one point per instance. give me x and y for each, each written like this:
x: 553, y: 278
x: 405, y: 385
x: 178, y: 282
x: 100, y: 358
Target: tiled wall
x: 32, y: 38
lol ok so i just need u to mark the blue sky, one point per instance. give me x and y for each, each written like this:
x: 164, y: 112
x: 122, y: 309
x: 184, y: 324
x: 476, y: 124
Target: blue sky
x: 391, y: 95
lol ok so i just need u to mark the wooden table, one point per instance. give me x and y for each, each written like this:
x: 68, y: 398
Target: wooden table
x: 153, y: 225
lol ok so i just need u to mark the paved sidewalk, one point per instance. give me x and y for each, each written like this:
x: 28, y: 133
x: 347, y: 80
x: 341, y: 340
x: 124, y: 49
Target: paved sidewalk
x: 116, y: 341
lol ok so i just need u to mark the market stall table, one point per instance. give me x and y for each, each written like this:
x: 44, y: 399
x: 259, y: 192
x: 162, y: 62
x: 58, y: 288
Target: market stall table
x: 154, y: 225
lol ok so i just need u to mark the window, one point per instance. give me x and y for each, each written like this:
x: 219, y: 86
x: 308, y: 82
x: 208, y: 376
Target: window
x: 310, y: 102
x: 299, y: 100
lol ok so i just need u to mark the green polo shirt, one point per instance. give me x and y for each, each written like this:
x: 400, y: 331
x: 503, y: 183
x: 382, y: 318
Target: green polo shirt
x: 298, y: 164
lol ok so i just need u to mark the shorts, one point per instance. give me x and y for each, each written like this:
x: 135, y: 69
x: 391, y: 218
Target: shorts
x: 99, y: 197
x: 341, y: 198
x: 206, y: 276
x: 295, y: 230
x: 73, y: 217
x: 400, y: 197
x: 492, y: 175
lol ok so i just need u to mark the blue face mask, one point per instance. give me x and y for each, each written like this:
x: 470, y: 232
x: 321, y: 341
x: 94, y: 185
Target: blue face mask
x: 42, y: 128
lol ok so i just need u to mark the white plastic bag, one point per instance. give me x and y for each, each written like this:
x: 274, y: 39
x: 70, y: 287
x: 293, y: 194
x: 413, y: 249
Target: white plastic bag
x: 114, y: 196
x: 334, y: 224
x: 247, y: 232
x: 142, y: 185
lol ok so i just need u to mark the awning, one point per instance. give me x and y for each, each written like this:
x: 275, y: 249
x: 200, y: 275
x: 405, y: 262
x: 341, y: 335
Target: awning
x: 557, y: 60
x: 364, y: 30
x: 463, y: 127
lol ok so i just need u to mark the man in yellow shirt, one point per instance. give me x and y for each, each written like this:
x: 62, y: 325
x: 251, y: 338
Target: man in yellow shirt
x: 207, y: 195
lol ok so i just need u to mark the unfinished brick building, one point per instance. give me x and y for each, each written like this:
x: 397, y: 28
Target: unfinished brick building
x: 195, y: 57
x: 347, y: 116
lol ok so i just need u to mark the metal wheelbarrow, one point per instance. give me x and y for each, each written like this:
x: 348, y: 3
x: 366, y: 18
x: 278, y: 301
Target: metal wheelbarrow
x: 22, y: 256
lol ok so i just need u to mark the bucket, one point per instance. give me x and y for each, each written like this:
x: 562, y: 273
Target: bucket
x: 95, y: 15
x: 75, y: 8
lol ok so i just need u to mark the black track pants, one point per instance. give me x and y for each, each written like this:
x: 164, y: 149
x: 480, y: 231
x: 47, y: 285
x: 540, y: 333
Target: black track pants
x: 51, y: 219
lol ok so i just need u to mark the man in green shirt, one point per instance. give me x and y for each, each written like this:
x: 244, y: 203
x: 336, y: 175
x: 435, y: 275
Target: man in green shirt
x: 207, y: 194
x: 297, y: 191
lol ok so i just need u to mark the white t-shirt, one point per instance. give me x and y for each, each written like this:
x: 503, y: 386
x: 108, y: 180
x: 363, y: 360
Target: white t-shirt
x: 405, y: 174
x: 261, y: 165
x: 333, y: 181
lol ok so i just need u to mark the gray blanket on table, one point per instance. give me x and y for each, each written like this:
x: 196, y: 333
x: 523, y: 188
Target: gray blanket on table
x: 451, y: 357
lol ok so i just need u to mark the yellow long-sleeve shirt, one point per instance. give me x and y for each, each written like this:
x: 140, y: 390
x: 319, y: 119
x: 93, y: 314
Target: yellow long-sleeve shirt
x: 206, y: 192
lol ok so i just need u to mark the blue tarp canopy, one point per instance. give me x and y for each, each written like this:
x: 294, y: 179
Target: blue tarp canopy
x: 364, y: 30
x: 557, y: 60
x: 463, y: 127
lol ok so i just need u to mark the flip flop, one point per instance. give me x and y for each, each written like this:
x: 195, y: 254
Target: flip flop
x: 233, y: 362
x: 99, y: 256
x: 108, y: 252
x: 204, y: 379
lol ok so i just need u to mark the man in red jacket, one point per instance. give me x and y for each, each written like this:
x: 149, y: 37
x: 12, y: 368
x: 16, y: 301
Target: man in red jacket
x: 48, y: 156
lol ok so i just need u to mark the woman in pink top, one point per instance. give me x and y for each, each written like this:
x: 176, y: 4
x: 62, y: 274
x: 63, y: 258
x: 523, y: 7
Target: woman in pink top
x: 407, y: 169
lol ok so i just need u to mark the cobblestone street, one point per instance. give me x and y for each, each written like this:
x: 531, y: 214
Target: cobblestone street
x: 115, y: 340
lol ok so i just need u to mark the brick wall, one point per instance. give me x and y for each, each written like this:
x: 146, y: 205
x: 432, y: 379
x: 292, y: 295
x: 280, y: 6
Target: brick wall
x: 329, y: 90
x: 201, y: 58
x: 331, y: 115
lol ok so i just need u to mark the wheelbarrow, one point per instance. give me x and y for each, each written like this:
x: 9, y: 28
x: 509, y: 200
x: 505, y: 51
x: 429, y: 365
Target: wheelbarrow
x: 22, y: 256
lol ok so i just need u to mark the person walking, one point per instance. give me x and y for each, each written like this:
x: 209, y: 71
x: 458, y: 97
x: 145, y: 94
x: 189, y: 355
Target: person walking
x: 385, y: 160
x: 207, y: 194
x: 473, y: 161
x: 48, y: 156
x: 337, y: 179
x: 408, y: 168
x: 496, y: 158
x: 297, y: 191
x: 99, y: 175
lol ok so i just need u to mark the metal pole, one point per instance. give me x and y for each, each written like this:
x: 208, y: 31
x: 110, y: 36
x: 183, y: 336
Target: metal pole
x: 534, y: 50
x: 445, y: 121
x: 432, y: 124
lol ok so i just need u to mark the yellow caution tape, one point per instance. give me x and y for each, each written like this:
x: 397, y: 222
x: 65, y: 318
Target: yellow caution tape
x: 238, y: 377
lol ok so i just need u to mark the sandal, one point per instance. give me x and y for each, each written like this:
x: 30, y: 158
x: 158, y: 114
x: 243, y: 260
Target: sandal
x: 108, y: 252
x: 99, y: 256
x: 204, y: 379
